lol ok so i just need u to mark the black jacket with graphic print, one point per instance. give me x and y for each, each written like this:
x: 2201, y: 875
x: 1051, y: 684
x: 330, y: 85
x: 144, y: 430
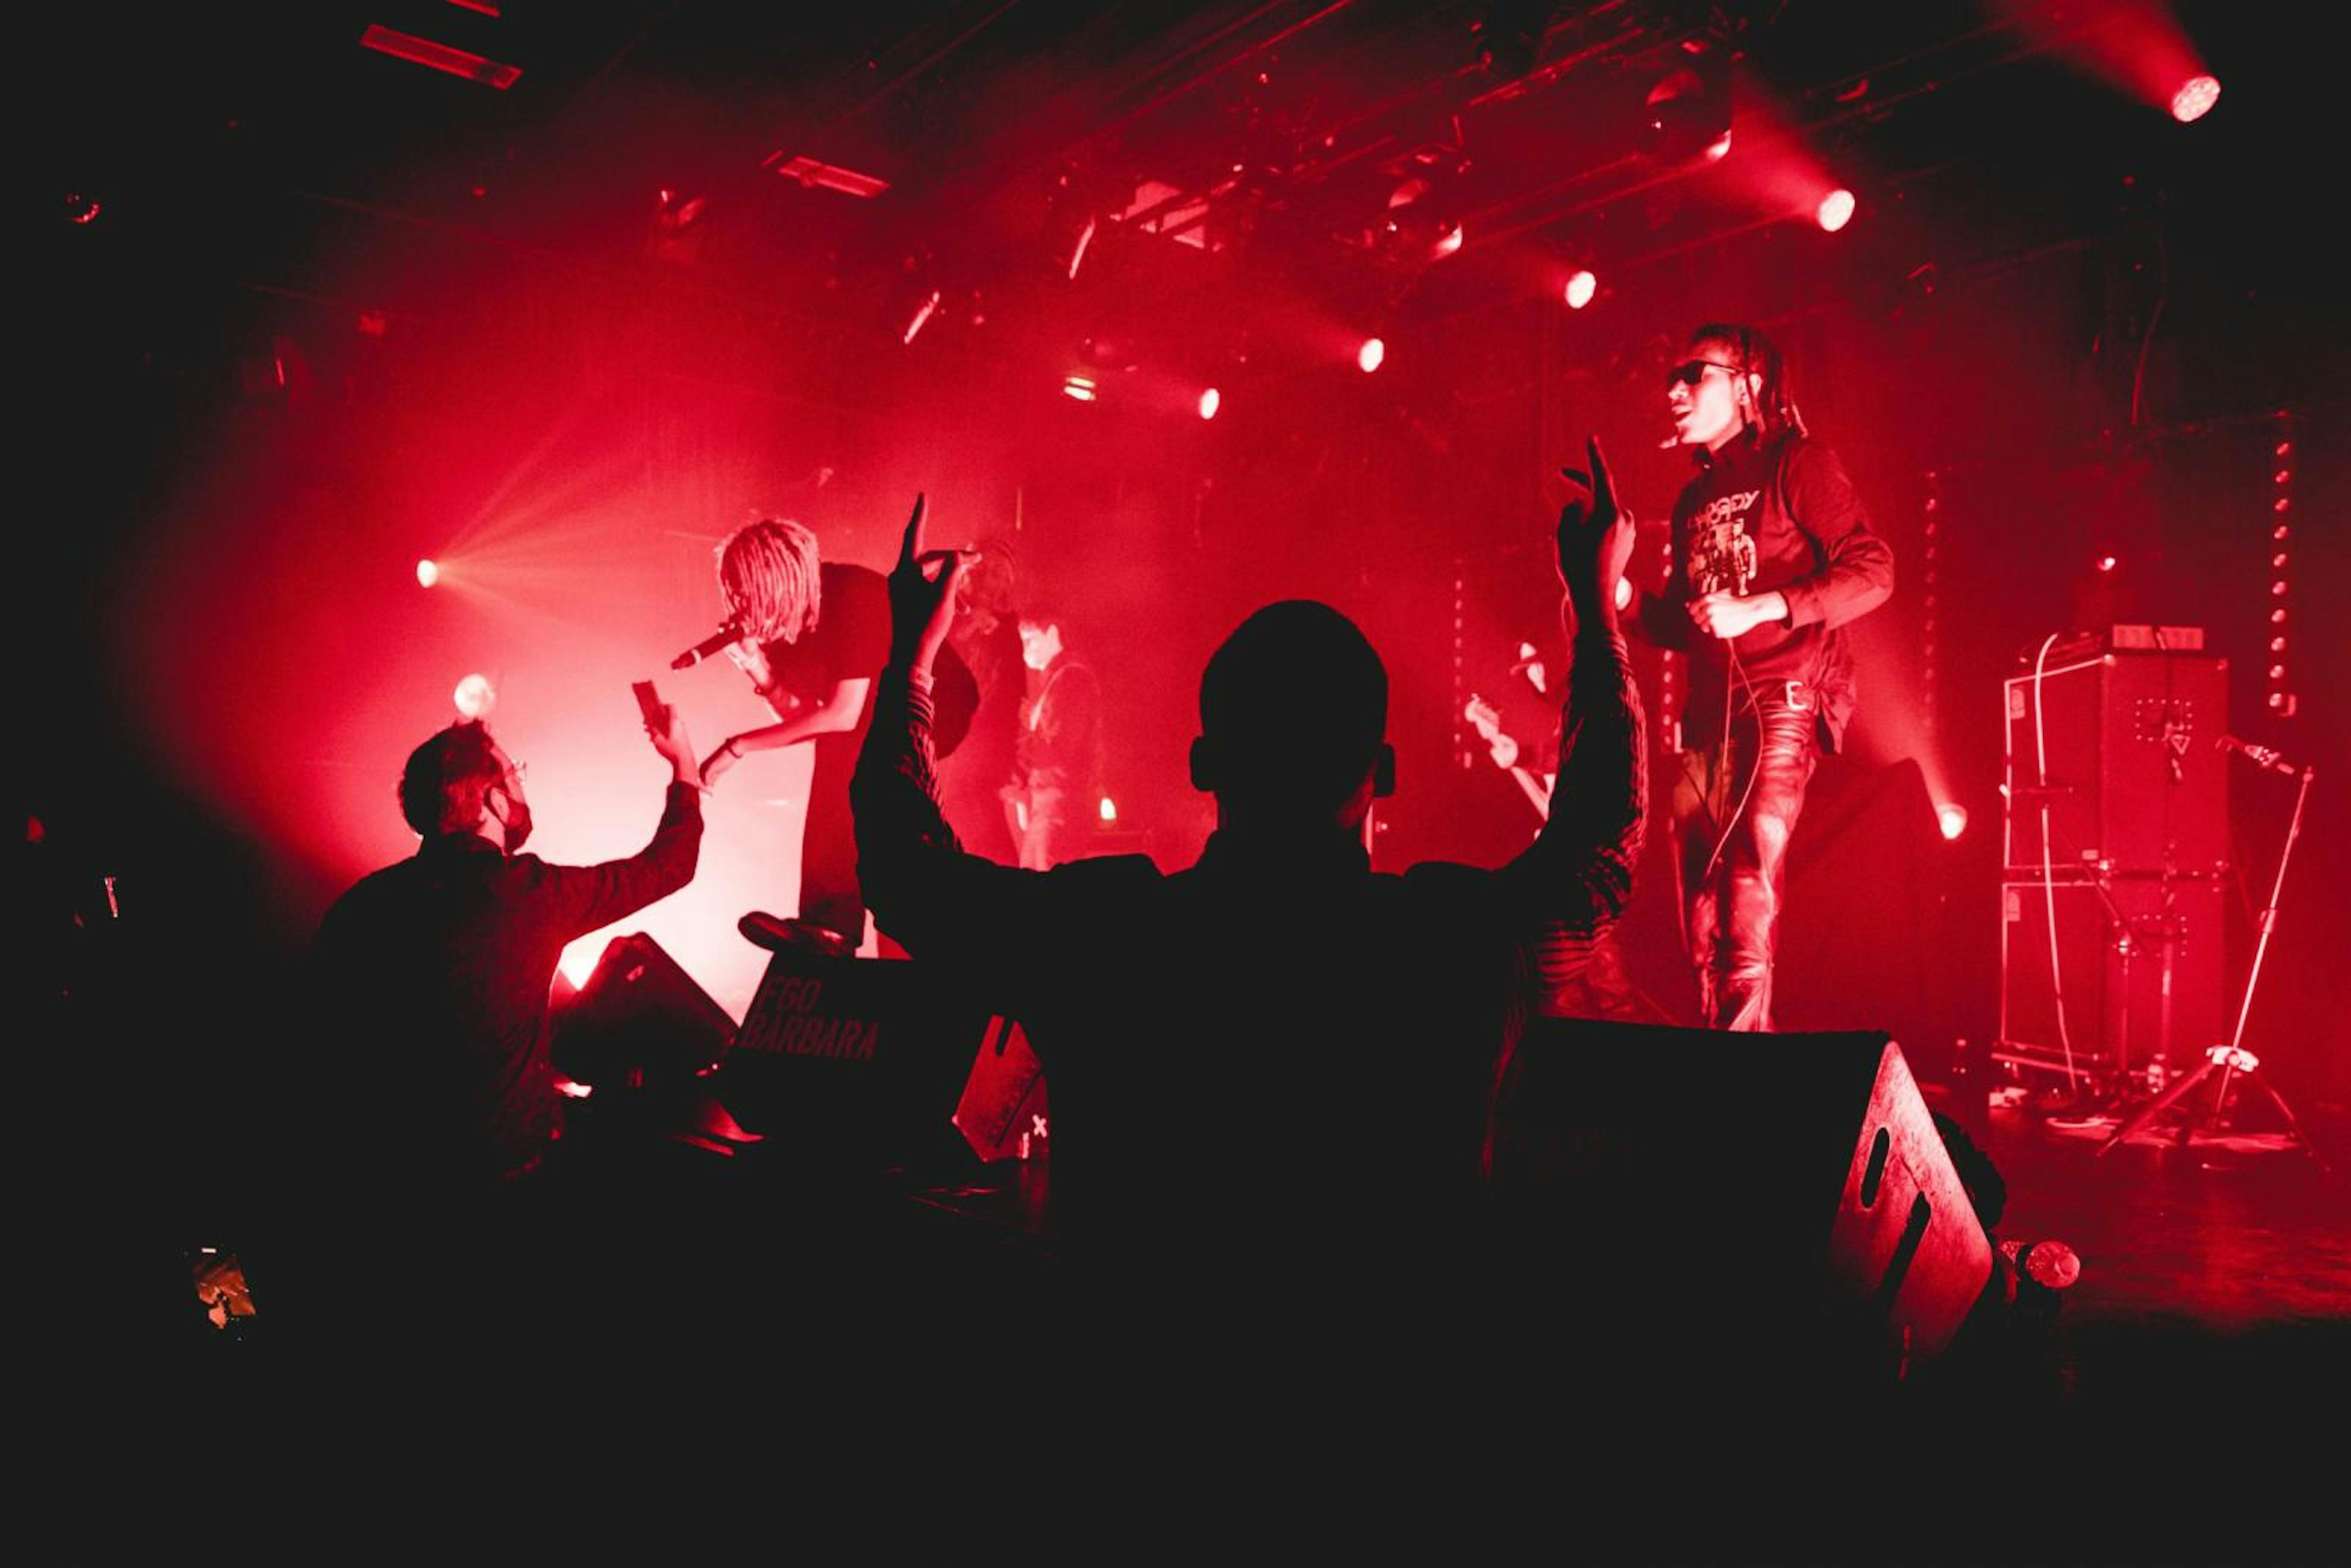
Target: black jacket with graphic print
x: 1782, y: 513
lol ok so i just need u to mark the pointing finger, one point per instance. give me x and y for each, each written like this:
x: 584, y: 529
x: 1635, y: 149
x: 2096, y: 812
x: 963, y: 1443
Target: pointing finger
x: 910, y: 547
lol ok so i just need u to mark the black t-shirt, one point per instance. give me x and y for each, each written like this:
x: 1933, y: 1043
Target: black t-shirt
x: 1763, y: 516
x: 851, y: 642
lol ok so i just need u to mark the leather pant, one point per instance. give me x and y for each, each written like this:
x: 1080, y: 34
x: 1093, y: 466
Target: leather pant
x: 1733, y: 882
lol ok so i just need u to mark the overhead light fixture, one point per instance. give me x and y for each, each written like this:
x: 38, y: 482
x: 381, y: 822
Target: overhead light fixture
x: 811, y: 173
x: 1507, y: 37
x: 1581, y: 286
x: 1080, y: 387
x: 1422, y: 223
x: 1211, y: 400
x: 1371, y: 355
x: 1836, y: 209
x: 1687, y: 114
x: 1157, y: 207
x: 678, y: 225
x: 440, y: 56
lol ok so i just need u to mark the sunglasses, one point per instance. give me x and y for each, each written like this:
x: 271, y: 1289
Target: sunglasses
x: 1691, y: 371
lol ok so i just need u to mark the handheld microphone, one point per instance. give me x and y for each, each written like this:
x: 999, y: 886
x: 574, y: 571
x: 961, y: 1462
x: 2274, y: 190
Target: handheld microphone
x: 732, y: 632
x: 2262, y: 755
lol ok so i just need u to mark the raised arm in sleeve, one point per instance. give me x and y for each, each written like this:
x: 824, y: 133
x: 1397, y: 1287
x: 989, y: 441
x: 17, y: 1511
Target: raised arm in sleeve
x: 593, y: 895
x: 1570, y: 886
x: 926, y: 891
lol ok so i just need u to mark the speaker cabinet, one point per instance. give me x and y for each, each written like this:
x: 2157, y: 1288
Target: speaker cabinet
x: 1732, y: 1204
x: 2113, y: 764
x: 640, y: 1017
x: 853, y: 1062
x: 2136, y: 960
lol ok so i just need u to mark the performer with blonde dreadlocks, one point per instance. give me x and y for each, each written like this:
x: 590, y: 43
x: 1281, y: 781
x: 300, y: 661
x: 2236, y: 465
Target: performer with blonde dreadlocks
x: 815, y: 634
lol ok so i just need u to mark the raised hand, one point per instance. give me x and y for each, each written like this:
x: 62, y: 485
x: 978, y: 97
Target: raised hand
x: 671, y: 739
x: 1595, y: 536
x: 715, y: 766
x: 923, y: 596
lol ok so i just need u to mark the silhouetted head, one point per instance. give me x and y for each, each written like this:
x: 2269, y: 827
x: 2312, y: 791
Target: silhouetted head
x: 1293, y: 719
x: 767, y: 575
x: 460, y: 779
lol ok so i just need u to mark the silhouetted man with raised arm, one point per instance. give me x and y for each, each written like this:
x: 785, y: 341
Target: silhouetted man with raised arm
x: 1271, y: 1071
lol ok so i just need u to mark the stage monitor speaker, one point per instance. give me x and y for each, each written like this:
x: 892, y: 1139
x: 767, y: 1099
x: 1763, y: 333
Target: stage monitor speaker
x: 1723, y: 1203
x: 640, y: 1017
x: 855, y: 1064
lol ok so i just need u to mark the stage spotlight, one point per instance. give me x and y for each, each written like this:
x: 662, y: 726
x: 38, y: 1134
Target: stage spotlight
x: 1423, y: 219
x: 1581, y: 286
x: 2107, y: 563
x: 1109, y: 810
x: 2194, y: 99
x: 427, y: 573
x: 1371, y: 355
x: 476, y: 696
x: 1836, y: 209
x: 1211, y: 401
x: 1952, y: 818
x: 1688, y: 113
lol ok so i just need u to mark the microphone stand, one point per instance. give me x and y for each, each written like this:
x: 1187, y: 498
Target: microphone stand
x: 2233, y: 1059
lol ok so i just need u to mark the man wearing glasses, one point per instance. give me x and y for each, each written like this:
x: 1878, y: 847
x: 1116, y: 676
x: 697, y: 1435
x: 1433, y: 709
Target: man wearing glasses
x: 1772, y: 554
x: 438, y: 967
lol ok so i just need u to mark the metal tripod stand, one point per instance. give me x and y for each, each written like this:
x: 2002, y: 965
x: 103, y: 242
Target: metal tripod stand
x: 2231, y: 1060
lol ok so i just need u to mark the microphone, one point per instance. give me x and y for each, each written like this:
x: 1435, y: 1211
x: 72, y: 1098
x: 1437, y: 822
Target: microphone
x: 732, y: 632
x: 2260, y: 755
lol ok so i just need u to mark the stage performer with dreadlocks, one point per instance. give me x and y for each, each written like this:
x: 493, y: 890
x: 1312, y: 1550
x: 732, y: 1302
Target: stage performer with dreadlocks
x: 1773, y: 553
x: 815, y: 633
